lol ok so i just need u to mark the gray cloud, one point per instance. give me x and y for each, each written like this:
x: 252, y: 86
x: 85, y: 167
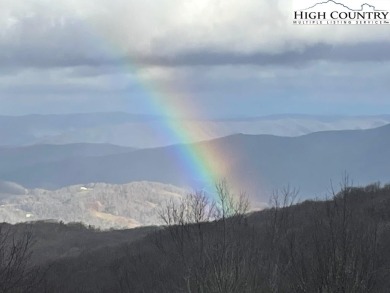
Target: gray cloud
x: 174, y: 33
x: 228, y: 56
x: 375, y: 51
x: 318, y: 87
x: 104, y: 64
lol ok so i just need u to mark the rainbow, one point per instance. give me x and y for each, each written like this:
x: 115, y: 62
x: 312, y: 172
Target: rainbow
x: 201, y: 162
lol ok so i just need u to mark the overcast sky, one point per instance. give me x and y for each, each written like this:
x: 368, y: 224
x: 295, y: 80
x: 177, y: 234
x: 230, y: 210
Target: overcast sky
x: 225, y: 57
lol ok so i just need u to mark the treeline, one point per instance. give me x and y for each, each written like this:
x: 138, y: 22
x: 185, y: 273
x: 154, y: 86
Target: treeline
x: 325, y: 246
x: 338, y: 245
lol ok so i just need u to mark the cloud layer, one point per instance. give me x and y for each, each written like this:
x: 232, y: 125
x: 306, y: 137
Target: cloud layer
x: 78, y: 52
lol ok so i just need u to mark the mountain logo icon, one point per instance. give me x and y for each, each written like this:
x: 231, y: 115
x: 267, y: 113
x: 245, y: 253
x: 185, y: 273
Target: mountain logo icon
x: 363, y: 7
x: 333, y: 12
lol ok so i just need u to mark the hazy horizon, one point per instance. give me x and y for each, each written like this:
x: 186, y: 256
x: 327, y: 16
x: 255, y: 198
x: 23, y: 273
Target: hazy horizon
x: 236, y: 116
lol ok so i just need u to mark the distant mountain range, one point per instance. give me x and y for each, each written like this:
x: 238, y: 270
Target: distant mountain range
x: 141, y: 131
x: 14, y: 158
x: 258, y: 163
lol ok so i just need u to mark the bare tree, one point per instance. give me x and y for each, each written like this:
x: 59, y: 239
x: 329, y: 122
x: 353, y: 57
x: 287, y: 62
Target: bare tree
x: 204, y: 234
x: 16, y: 274
x: 278, y: 233
x: 341, y: 253
x: 228, y: 204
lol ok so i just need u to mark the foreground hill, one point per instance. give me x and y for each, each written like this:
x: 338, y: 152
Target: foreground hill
x: 54, y: 240
x: 142, y: 131
x: 315, y: 246
x: 256, y: 163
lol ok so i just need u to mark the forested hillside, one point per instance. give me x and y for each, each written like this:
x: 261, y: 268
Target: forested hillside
x: 100, y: 205
x: 337, y: 245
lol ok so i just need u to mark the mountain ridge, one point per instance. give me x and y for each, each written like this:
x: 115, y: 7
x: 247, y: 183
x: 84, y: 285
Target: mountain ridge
x: 146, y: 131
x: 260, y: 163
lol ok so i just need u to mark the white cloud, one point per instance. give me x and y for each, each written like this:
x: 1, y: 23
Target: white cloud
x: 91, y: 30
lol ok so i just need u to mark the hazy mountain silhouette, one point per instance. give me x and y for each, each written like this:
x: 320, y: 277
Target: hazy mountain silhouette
x: 13, y: 158
x: 260, y: 162
x: 143, y: 131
